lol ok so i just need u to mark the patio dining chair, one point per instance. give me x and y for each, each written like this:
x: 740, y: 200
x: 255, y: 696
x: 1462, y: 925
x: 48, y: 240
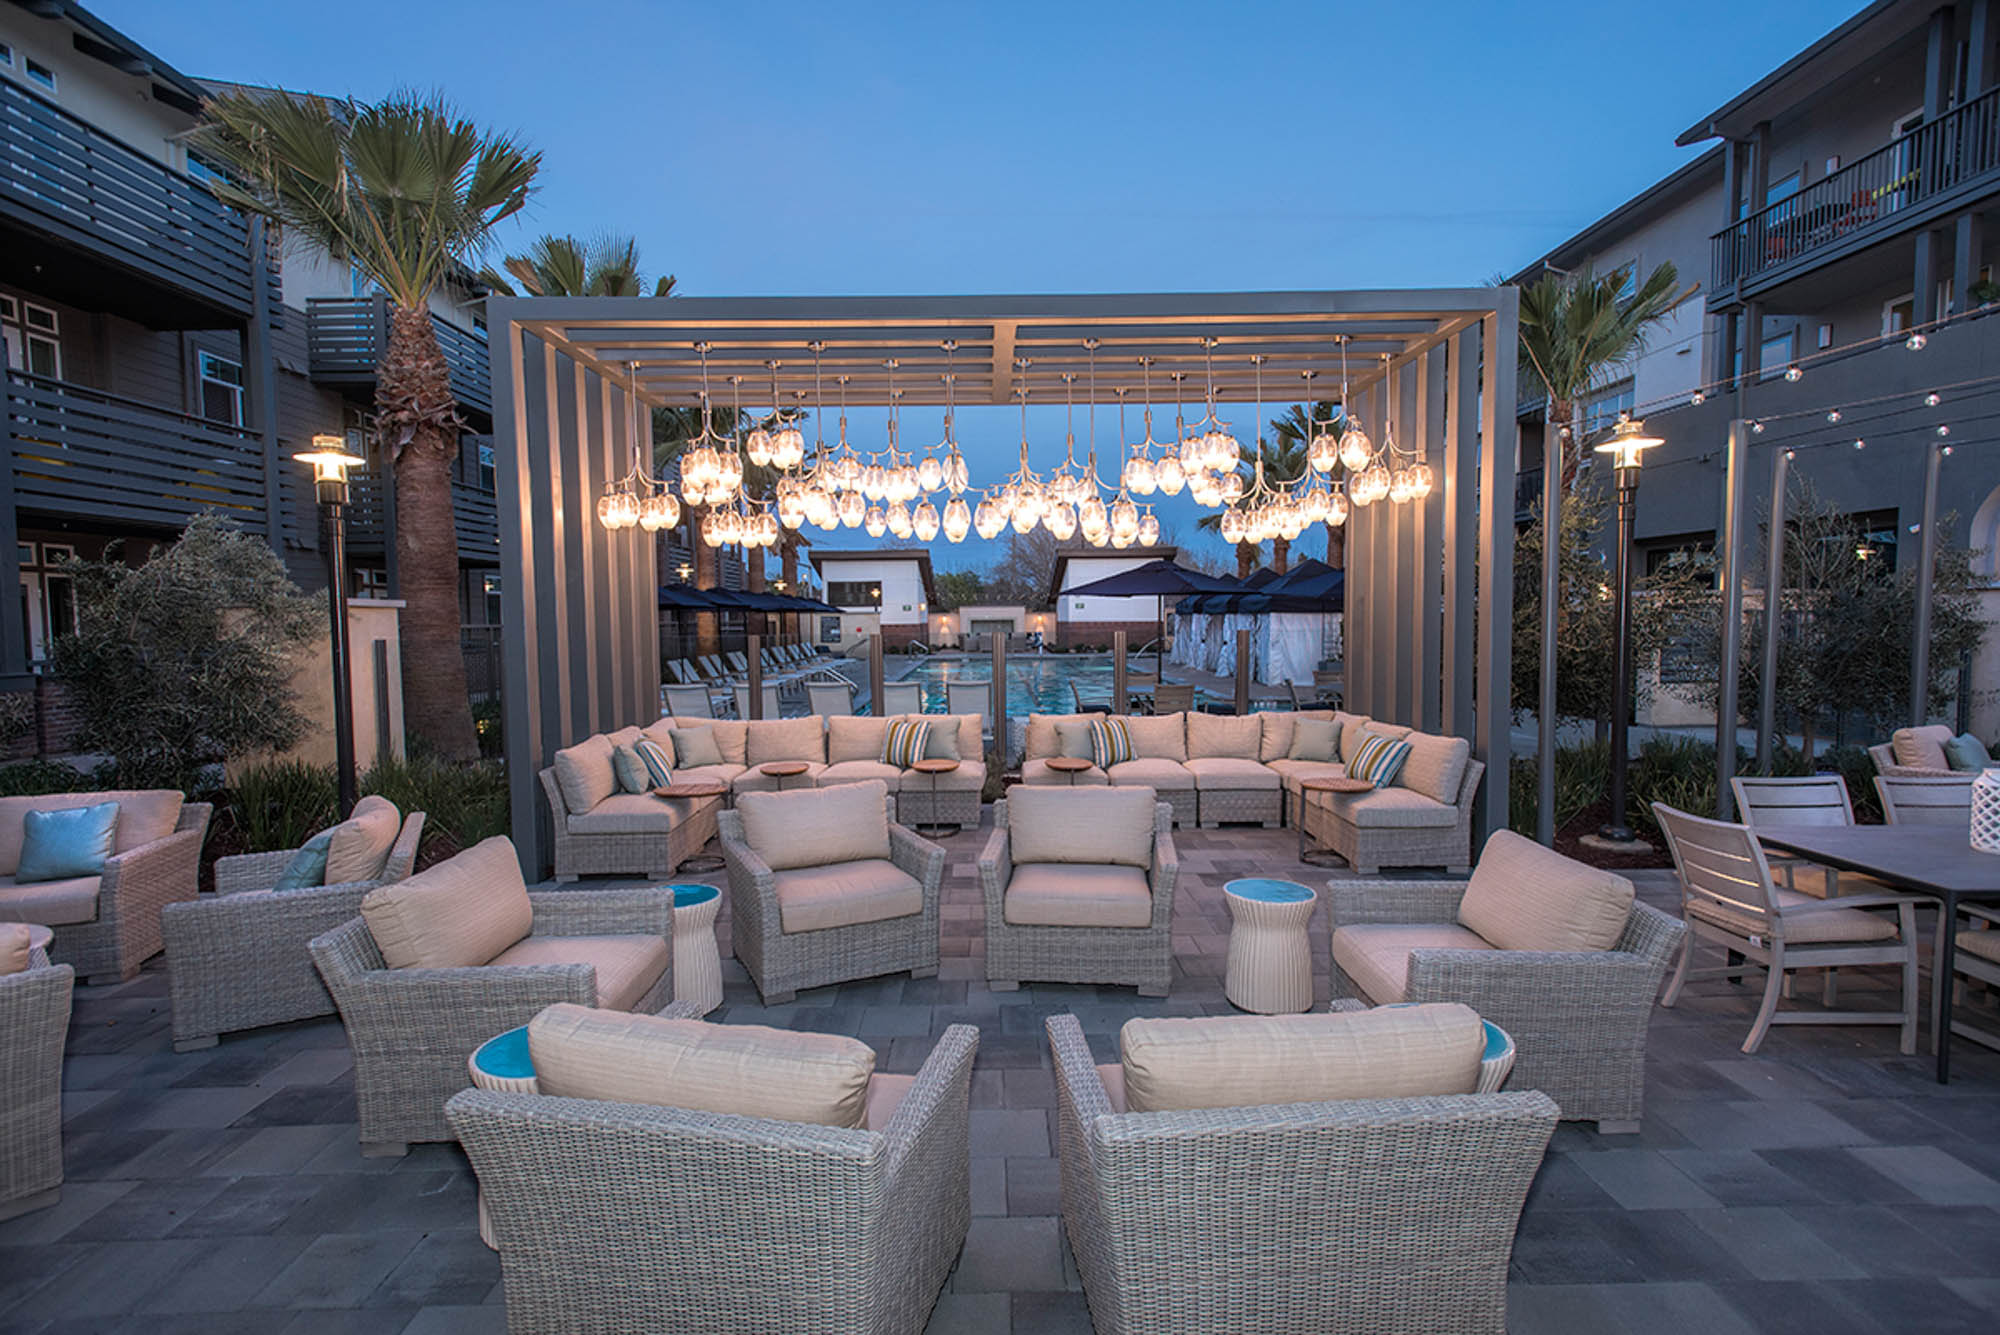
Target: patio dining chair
x: 1926, y: 801
x: 829, y: 698
x: 901, y: 697
x: 1978, y: 959
x: 1076, y: 696
x: 1173, y: 698
x: 772, y: 709
x: 689, y: 701
x: 971, y: 697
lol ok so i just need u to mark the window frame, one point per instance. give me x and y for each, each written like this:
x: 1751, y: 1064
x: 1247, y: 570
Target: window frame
x: 42, y: 76
x: 234, y: 388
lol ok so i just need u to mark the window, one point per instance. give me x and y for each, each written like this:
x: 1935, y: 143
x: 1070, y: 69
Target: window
x: 370, y: 582
x: 1898, y: 314
x: 1776, y: 353
x: 491, y: 587
x: 203, y: 170
x: 33, y: 336
x: 1628, y: 280
x: 1600, y: 411
x: 38, y: 73
x: 48, y: 596
x: 486, y: 480
x: 221, y: 389
x: 854, y: 593
x: 6, y: 54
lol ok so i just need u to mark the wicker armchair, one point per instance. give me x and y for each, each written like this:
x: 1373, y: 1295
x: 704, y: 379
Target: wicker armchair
x: 411, y: 1030
x: 34, y: 1020
x: 782, y: 963
x: 799, y: 1227
x: 1379, y: 1215
x: 1578, y: 1019
x: 237, y: 959
x: 1141, y: 957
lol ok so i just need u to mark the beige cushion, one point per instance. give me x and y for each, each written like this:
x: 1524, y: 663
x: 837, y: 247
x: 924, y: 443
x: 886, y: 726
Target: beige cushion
x: 627, y: 966
x: 969, y: 777
x: 1313, y: 739
x: 1396, y: 808
x: 1237, y: 1061
x: 1523, y: 896
x: 841, y: 894
x: 1039, y: 741
x: 1224, y: 735
x: 1376, y: 955
x: 732, y: 737
x: 1293, y: 771
x: 701, y: 774
x: 145, y: 815
x: 14, y: 950
x: 1435, y: 766
x: 854, y: 737
x: 1073, y: 739
x: 1159, y: 737
x: 1069, y: 894
x: 1160, y: 775
x: 360, y: 844
x: 749, y: 1070
x: 50, y: 903
x: 846, y: 822
x: 1275, y: 741
x: 1353, y: 731
x: 1037, y: 772
x: 785, y: 739
x: 886, y: 1094
x: 754, y: 780
x: 661, y: 732
x: 1985, y: 943
x: 1227, y: 772
x: 584, y: 773
x: 1822, y: 927
x: 1107, y: 825
x: 970, y: 735
x: 859, y: 771
x: 458, y: 914
x: 1922, y: 747
x: 1113, y: 1076
x: 631, y: 813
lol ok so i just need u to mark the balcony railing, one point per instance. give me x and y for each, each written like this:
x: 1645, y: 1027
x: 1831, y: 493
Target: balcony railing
x: 474, y: 515
x: 345, y: 337
x: 63, y: 177
x: 1868, y: 198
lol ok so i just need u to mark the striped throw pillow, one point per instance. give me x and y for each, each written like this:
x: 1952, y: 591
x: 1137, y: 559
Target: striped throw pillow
x: 1379, y: 759
x: 1110, y: 741
x: 903, y: 745
x: 659, y: 765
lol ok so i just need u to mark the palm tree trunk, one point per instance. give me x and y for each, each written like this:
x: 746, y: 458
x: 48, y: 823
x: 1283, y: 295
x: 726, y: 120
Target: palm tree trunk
x: 1336, y: 546
x: 708, y: 625
x: 1572, y: 448
x: 1281, y: 551
x: 1246, y: 560
x: 414, y: 401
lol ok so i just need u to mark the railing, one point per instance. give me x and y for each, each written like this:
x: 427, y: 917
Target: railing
x: 78, y: 451
x: 345, y: 337
x: 474, y: 514
x: 64, y: 177
x: 481, y: 648
x: 1932, y: 160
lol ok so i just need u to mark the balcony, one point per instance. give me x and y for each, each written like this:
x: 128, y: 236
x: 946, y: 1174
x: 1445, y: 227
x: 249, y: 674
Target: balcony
x: 474, y: 513
x: 345, y: 337
x: 155, y: 243
x: 1918, y: 180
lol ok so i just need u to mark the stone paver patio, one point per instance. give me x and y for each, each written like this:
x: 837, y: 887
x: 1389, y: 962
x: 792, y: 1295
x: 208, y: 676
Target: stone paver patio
x: 1826, y: 1185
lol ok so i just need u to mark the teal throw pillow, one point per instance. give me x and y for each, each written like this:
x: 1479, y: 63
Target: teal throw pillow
x: 630, y: 768
x: 62, y: 845
x: 695, y: 747
x: 307, y: 868
x: 1315, y: 739
x: 942, y: 743
x: 1966, y: 752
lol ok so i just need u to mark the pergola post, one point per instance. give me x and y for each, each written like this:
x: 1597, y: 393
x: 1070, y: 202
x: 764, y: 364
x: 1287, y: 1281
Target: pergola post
x: 1545, y: 710
x: 1774, y: 589
x: 1429, y: 516
x: 1408, y: 525
x: 1461, y: 521
x: 1731, y: 549
x: 1920, y: 635
x: 1491, y: 740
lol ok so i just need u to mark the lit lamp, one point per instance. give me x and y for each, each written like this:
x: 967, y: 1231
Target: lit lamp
x: 330, y: 461
x: 1628, y: 442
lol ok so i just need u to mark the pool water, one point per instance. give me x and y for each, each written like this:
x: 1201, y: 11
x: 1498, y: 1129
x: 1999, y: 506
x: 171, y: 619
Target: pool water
x: 1036, y: 684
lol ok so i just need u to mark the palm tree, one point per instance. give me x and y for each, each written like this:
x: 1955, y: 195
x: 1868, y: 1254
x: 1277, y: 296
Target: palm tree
x: 406, y: 190
x: 1284, y: 461
x: 1296, y: 429
x: 562, y: 266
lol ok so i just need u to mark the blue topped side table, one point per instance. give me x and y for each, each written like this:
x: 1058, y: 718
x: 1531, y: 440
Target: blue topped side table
x: 697, y: 960
x: 1270, y: 965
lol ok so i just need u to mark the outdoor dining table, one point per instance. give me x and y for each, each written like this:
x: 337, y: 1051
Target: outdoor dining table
x: 1939, y: 861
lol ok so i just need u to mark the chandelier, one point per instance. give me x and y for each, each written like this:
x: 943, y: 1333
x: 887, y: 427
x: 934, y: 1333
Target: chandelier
x: 1207, y: 446
x: 638, y: 499
x: 784, y: 445
x: 711, y: 469
x: 1266, y: 510
x: 1389, y: 472
x: 953, y: 472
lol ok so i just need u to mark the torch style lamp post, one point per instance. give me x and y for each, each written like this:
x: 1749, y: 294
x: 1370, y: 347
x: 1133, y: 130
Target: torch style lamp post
x: 1628, y: 441
x: 330, y: 461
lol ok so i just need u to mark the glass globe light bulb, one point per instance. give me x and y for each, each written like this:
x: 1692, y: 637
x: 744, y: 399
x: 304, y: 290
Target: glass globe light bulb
x: 957, y: 519
x: 876, y: 521
x: 1421, y: 480
x: 925, y: 522
x: 1336, y: 509
x: 757, y: 445
x: 1125, y: 517
x: 1139, y: 477
x: 1149, y: 530
x: 956, y: 476
x: 899, y: 520
x: 1061, y: 522
x: 930, y: 473
x: 853, y: 508
x: 1024, y: 520
x: 1232, y: 486
x: 604, y: 508
x: 1170, y: 476
x: 1355, y: 450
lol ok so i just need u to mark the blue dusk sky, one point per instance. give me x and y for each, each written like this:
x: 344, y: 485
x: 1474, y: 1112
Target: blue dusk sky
x: 865, y: 148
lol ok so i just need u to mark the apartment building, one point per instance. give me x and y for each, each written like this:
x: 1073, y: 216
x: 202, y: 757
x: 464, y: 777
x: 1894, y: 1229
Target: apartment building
x: 166, y: 355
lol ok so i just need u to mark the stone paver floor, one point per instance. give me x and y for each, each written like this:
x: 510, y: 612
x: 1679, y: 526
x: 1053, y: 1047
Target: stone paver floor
x: 1826, y: 1185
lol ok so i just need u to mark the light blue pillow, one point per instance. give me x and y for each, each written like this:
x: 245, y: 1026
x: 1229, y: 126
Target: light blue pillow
x: 630, y: 769
x: 1966, y: 753
x: 695, y: 747
x: 307, y: 869
x: 63, y: 845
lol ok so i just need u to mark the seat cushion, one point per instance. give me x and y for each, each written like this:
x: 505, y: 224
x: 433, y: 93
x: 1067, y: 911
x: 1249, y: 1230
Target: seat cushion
x: 839, y: 822
x: 1113, y: 1076
x: 749, y: 1070
x: 1376, y: 955
x: 631, y: 813
x: 841, y: 894
x: 752, y: 780
x: 1398, y: 808
x: 1435, y: 766
x: 1235, y: 1061
x: 145, y: 815
x: 458, y: 914
x: 627, y: 966
x: 1278, y: 727
x: 1292, y: 772
x: 723, y: 773
x: 1985, y: 944
x: 1224, y: 772
x: 14, y: 949
x: 585, y: 774
x: 1108, y: 825
x: 1923, y: 747
x: 1158, y: 736
x: 1160, y: 775
x: 969, y: 777
x: 785, y: 739
x: 1071, y: 894
x: 854, y: 737
x: 1523, y: 896
x: 859, y: 771
x: 1824, y: 927
x: 886, y: 1094
x: 360, y: 845
x: 1224, y: 735
x: 1037, y: 772
x: 50, y: 903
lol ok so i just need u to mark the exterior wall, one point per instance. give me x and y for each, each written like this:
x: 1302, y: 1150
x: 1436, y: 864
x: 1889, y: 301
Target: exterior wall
x: 120, y: 105
x: 1097, y: 634
x: 903, y: 599
x: 1124, y: 612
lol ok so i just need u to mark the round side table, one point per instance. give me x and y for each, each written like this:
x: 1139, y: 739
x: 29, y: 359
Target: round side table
x: 697, y: 960
x: 501, y: 1064
x: 935, y: 768
x: 39, y: 938
x: 698, y: 790
x: 1308, y: 853
x: 1270, y: 967
x: 1069, y: 767
x: 781, y: 770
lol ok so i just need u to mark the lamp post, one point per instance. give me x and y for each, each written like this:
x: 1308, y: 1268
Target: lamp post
x: 1628, y: 441
x: 330, y: 461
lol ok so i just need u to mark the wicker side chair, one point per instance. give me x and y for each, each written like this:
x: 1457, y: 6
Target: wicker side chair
x: 34, y: 1021
x: 237, y: 959
x: 1140, y: 956
x: 411, y: 1030
x: 848, y: 1232
x: 1374, y: 1215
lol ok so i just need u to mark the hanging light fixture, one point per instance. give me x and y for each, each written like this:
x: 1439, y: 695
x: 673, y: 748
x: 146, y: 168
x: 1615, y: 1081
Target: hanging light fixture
x: 1169, y: 473
x: 1356, y: 450
x: 1323, y: 448
x: 1138, y: 473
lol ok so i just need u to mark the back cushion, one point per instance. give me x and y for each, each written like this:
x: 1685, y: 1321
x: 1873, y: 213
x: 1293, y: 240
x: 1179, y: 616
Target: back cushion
x: 1097, y: 825
x: 360, y: 844
x: 460, y: 913
x: 1040, y: 742
x: 1213, y: 736
x: 1315, y: 739
x: 732, y: 737
x: 1523, y: 896
x: 1242, y: 1061
x: 1355, y: 730
x: 1276, y: 742
x: 13, y: 948
x: 1921, y: 747
x: 749, y: 1070
x: 1435, y: 766
x: 815, y: 827
x: 786, y: 739
x: 145, y: 815
x: 1158, y: 737
x: 1073, y: 737
x: 942, y: 741
x: 971, y: 736
x: 585, y: 774
x: 854, y: 737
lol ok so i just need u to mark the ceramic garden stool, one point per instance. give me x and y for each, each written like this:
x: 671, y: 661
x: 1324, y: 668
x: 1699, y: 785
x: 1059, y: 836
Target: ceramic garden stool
x: 1270, y: 965
x: 697, y: 960
x: 501, y: 1064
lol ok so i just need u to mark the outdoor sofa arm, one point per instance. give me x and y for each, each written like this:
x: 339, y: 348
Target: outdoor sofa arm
x: 927, y: 1137
x: 1351, y: 902
x: 918, y: 857
x: 753, y: 888
x: 644, y: 910
x: 1079, y: 1089
x: 251, y: 871
x: 996, y: 869
x: 1164, y: 872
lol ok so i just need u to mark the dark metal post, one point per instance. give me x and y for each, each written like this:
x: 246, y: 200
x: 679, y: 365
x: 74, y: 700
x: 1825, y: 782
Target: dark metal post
x: 1774, y: 588
x: 1615, y: 829
x: 998, y: 702
x: 1545, y: 748
x: 1920, y: 635
x: 1732, y: 616
x: 754, y: 655
x: 1242, y: 672
x: 333, y: 513
x: 875, y: 691
x: 1121, y: 685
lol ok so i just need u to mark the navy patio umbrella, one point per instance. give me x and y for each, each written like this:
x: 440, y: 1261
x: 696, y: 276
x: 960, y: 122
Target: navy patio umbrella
x: 1156, y: 579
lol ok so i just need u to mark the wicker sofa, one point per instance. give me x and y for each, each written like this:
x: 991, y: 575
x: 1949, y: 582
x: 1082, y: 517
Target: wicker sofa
x: 34, y: 1022
x: 471, y: 953
x: 107, y: 926
x: 237, y: 959
x: 1558, y: 954
x: 617, y: 1216
x: 1915, y: 753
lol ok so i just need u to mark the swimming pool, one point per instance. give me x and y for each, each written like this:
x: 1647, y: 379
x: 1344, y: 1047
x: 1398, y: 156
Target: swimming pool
x: 1036, y: 684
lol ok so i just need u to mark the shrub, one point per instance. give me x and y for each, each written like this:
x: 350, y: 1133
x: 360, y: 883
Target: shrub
x: 281, y: 804
x: 32, y: 778
x: 462, y: 804
x: 488, y: 722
